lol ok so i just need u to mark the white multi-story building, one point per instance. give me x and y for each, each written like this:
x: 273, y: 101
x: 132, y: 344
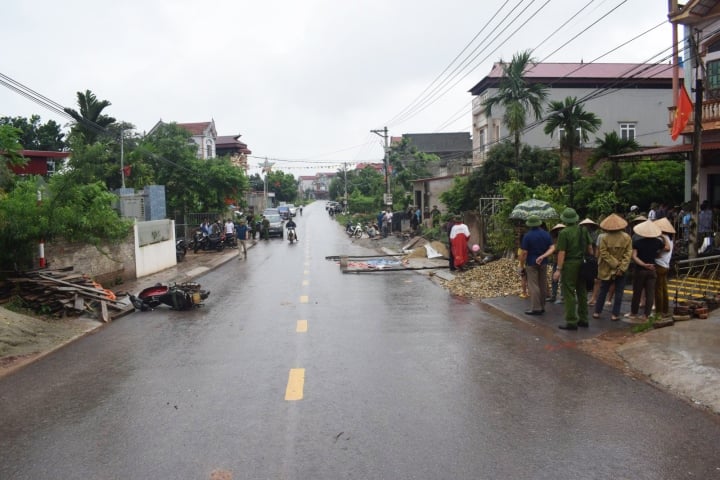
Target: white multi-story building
x: 630, y: 99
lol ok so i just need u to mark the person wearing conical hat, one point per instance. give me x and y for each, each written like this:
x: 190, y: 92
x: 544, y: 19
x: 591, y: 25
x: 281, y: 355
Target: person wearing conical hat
x: 614, y: 253
x: 573, y: 243
x: 662, y: 266
x: 646, y: 246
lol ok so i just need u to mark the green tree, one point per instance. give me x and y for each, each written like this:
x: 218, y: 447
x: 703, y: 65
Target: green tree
x: 570, y: 117
x: 538, y: 167
x: 283, y: 185
x: 409, y: 164
x: 90, y: 122
x: 518, y: 97
x: 10, y: 153
x: 172, y: 157
x: 224, y: 183
x: 37, y: 136
x: 71, y: 211
x: 607, y: 147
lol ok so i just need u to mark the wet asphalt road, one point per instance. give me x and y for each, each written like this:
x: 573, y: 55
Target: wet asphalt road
x: 293, y: 370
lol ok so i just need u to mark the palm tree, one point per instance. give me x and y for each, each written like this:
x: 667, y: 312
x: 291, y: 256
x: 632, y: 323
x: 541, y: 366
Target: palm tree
x: 90, y: 120
x: 576, y: 123
x: 517, y: 97
x: 608, y: 147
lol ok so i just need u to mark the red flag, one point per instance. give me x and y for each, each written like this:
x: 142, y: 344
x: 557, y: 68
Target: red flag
x: 127, y: 170
x: 682, y: 113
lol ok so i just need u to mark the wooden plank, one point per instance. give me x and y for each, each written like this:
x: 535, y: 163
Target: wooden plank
x: 79, y: 302
x: 104, y: 312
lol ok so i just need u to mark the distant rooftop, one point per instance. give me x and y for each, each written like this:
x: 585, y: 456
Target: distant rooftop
x: 587, y: 75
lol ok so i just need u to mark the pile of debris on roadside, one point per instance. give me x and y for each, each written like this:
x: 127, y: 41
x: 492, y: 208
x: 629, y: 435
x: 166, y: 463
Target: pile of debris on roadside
x: 61, y: 292
x: 484, y: 277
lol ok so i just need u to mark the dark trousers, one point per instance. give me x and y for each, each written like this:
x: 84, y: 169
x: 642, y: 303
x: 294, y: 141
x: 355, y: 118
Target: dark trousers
x: 643, y: 281
x: 662, y: 300
x: 619, y: 283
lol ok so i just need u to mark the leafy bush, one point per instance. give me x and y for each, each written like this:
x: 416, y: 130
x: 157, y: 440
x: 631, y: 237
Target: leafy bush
x: 76, y: 213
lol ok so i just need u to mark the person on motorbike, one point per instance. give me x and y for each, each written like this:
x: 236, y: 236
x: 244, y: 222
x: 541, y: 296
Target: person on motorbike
x: 291, y: 224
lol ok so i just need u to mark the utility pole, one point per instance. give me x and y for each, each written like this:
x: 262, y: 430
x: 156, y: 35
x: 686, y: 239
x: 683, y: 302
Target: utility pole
x: 697, y: 149
x: 345, y: 176
x: 266, y: 169
x: 384, y: 133
x: 122, y: 158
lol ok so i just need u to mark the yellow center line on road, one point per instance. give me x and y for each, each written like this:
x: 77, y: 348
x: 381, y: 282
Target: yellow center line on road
x: 305, y: 283
x: 302, y: 326
x: 304, y: 299
x: 306, y: 272
x: 295, y: 385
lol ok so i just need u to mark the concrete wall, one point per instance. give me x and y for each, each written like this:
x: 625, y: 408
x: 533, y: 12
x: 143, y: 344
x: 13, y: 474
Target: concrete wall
x: 158, y: 255
x: 124, y: 260
x: 106, y: 263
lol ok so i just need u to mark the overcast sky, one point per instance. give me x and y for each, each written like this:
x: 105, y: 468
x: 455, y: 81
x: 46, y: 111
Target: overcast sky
x: 303, y: 82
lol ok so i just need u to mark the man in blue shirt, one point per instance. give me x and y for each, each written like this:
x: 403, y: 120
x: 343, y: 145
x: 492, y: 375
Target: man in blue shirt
x: 242, y: 234
x: 536, y: 247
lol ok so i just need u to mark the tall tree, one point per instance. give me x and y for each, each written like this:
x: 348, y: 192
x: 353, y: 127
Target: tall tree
x: 570, y: 117
x: 37, y: 136
x: 518, y: 97
x: 607, y: 147
x: 90, y: 121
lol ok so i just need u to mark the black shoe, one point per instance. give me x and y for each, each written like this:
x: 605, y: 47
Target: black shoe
x: 568, y: 327
x: 583, y: 324
x: 534, y: 312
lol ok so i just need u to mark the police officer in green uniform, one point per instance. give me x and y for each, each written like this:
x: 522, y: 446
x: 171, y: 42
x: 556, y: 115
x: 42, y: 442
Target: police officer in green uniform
x: 572, y: 243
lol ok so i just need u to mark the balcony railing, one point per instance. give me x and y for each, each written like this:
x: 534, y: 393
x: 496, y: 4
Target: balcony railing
x: 710, y: 117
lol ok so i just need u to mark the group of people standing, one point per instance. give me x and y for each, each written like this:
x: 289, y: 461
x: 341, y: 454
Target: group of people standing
x: 647, y: 249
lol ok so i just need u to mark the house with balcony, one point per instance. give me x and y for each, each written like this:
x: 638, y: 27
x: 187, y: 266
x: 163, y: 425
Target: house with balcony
x: 631, y: 99
x: 232, y: 146
x: 696, y: 38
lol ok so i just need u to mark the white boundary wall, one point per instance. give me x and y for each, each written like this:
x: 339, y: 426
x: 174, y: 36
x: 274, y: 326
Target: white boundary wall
x: 154, y: 246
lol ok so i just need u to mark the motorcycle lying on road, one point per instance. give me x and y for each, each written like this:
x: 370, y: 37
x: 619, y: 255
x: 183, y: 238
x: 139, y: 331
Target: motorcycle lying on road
x: 203, y: 241
x: 180, y: 296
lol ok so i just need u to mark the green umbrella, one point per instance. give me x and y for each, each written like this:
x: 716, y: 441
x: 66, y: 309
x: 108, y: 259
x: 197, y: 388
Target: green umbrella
x: 533, y: 207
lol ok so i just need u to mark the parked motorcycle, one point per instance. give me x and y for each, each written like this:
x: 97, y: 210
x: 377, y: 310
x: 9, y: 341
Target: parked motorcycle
x: 291, y: 236
x: 203, y: 241
x: 180, y: 249
x: 180, y: 296
x: 230, y: 240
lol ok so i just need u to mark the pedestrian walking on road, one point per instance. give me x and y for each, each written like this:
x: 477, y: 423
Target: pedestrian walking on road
x: 573, y: 243
x: 242, y: 234
x: 536, y: 247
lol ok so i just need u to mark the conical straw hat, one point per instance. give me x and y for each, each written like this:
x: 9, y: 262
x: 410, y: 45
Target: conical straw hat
x: 587, y: 221
x: 613, y: 222
x: 665, y: 225
x: 637, y: 219
x: 557, y: 227
x: 647, y: 229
